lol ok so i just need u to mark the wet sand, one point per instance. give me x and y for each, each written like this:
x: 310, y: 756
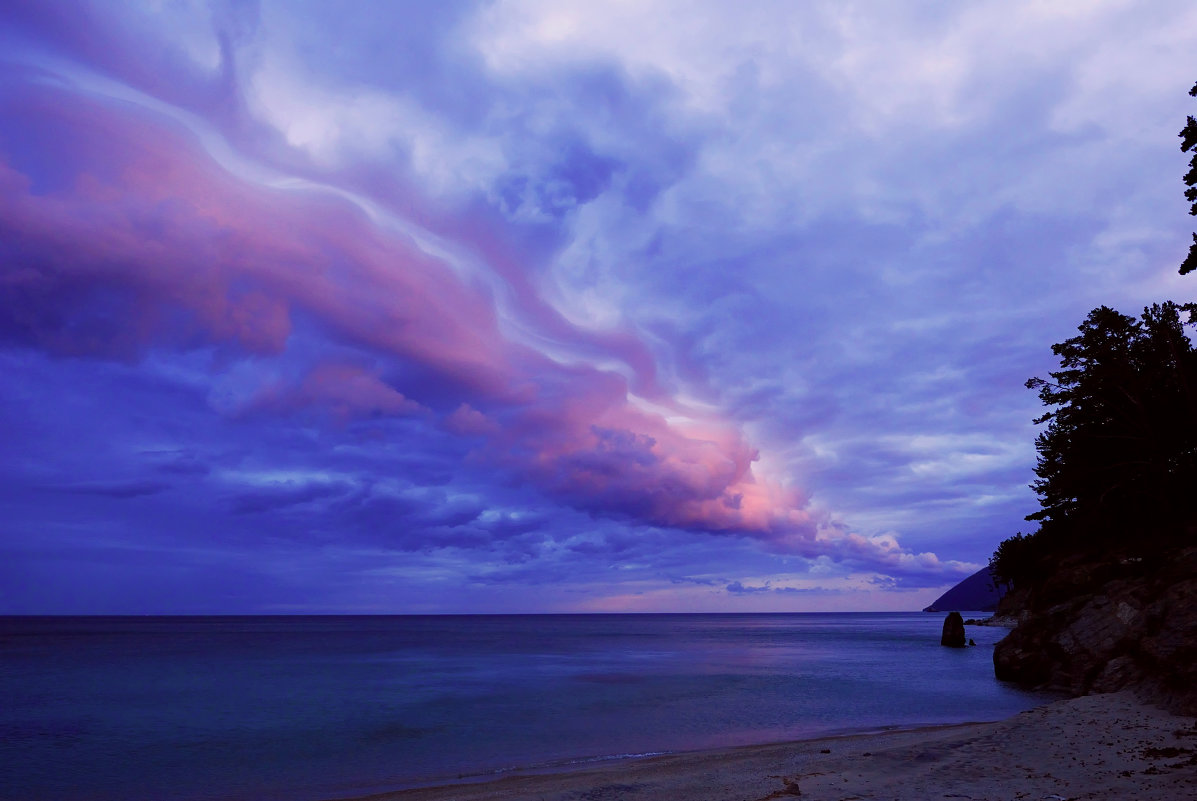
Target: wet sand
x: 1096, y: 747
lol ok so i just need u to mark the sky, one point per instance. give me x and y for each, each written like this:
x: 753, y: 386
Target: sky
x: 471, y: 307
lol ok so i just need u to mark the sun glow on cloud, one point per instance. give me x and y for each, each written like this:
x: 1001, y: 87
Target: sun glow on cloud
x: 291, y: 255
x: 636, y: 305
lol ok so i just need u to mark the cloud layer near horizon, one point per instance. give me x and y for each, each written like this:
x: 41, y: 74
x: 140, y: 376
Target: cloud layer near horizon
x: 549, y: 307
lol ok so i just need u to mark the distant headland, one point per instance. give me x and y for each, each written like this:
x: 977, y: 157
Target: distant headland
x: 977, y: 593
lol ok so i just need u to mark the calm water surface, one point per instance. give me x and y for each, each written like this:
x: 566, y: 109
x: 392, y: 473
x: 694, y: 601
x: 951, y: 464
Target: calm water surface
x: 307, y: 708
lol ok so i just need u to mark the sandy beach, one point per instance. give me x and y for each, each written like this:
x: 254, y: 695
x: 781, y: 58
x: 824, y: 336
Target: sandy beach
x: 1096, y: 747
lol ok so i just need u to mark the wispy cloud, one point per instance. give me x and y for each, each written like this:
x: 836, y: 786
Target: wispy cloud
x: 567, y: 295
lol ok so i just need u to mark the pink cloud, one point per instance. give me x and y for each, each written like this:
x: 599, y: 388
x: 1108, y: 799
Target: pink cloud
x: 153, y: 245
x: 342, y: 390
x: 468, y: 421
x: 160, y: 224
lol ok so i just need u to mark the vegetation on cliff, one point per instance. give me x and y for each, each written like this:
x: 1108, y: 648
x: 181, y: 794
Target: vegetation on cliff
x: 1118, y: 460
x: 1188, y: 137
x: 1107, y: 584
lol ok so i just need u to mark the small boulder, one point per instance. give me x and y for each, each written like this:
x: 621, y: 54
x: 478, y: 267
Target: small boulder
x: 953, y: 631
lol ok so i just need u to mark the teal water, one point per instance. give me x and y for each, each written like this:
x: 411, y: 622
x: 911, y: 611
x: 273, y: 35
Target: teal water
x: 309, y: 708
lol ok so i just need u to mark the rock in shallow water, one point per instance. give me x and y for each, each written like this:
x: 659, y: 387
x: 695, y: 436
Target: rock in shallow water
x: 953, y: 631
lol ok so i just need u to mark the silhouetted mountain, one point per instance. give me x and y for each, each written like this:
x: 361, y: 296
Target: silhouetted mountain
x: 975, y: 594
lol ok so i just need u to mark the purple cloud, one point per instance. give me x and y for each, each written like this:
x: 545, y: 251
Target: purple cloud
x: 498, y: 296
x: 115, y: 489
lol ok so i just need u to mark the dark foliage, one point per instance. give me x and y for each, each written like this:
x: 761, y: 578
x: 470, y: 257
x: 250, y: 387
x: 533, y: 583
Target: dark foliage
x: 1117, y: 467
x: 1014, y: 562
x: 1117, y: 462
x: 1188, y: 136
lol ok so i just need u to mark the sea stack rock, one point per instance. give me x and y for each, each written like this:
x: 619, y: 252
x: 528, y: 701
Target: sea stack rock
x: 953, y: 631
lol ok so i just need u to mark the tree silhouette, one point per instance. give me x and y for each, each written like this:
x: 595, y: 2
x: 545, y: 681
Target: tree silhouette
x: 1015, y: 562
x: 1188, y: 136
x: 1117, y: 464
x: 1121, y: 440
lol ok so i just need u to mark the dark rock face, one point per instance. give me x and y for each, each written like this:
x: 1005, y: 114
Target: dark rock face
x: 953, y: 631
x: 1101, y: 627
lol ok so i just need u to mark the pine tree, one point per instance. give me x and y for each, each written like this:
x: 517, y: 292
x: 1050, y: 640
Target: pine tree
x: 1188, y: 136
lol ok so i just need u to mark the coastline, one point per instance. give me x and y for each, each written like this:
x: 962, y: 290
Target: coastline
x: 1099, y: 746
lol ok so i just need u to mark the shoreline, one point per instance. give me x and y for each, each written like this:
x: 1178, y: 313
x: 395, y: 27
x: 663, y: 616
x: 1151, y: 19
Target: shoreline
x: 566, y: 767
x: 1100, y: 746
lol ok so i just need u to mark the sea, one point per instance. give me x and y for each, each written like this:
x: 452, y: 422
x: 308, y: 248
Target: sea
x: 316, y: 708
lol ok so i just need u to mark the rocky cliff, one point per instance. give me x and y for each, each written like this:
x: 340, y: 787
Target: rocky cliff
x: 1100, y: 624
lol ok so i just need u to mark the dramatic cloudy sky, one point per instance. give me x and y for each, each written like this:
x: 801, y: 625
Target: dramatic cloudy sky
x: 550, y: 306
